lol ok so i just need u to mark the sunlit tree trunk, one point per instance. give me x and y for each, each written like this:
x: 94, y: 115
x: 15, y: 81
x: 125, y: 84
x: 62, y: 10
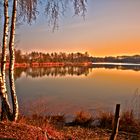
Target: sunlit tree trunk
x: 12, y: 61
x: 5, y: 38
x: 5, y: 102
x: 3, y: 60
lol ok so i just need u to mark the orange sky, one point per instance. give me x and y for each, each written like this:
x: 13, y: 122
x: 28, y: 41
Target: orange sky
x: 125, y: 47
x: 110, y: 28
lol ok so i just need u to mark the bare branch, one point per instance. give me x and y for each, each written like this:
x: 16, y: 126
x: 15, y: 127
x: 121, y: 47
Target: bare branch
x: 55, y: 8
x: 80, y: 7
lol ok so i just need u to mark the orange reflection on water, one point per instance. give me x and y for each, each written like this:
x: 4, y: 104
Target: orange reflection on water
x: 119, y: 78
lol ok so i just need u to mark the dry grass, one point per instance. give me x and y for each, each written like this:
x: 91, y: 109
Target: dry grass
x: 128, y: 122
x: 56, y: 119
x: 83, y: 119
x: 45, y: 124
x: 82, y: 126
x: 106, y: 119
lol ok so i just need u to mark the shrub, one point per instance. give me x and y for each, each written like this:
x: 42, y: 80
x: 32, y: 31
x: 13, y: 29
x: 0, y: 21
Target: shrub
x: 128, y: 122
x: 106, y: 119
x: 56, y: 118
x: 83, y: 118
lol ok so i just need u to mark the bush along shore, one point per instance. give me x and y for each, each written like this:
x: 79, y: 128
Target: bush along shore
x: 84, y: 126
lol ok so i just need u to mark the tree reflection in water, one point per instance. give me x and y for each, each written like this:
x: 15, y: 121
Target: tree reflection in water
x: 59, y: 71
x: 52, y: 71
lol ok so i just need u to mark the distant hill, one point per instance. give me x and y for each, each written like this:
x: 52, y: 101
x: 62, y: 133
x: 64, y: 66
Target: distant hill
x: 118, y: 59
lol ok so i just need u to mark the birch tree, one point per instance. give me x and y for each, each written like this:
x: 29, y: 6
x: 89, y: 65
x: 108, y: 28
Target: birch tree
x: 4, y: 47
x: 6, y: 110
x: 12, y: 61
x: 27, y: 10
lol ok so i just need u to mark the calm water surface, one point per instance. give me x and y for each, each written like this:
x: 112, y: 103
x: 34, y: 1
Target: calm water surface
x: 70, y: 89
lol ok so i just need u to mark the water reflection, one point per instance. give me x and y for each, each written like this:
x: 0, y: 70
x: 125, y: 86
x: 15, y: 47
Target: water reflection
x: 101, y: 87
x: 52, y: 71
x: 69, y: 70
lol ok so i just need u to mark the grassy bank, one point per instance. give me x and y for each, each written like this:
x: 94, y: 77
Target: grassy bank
x: 84, y: 126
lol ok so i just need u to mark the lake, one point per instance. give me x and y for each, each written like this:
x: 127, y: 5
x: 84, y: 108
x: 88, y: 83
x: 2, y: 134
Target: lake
x: 67, y: 90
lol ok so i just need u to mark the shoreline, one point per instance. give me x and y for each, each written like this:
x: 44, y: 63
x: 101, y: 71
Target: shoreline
x: 58, y: 64
x: 49, y: 64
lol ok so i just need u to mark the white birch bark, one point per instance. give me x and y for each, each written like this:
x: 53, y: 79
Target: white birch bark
x: 12, y: 61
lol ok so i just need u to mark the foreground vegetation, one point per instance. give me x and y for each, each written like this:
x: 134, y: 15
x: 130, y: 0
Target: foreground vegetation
x: 84, y: 126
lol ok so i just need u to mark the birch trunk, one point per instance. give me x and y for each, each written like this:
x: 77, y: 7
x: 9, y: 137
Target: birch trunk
x: 4, y: 98
x: 3, y: 60
x: 12, y: 61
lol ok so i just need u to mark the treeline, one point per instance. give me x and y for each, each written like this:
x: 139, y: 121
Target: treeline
x: 78, y: 57
x: 118, y: 59
x: 40, y: 57
x: 62, y: 57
